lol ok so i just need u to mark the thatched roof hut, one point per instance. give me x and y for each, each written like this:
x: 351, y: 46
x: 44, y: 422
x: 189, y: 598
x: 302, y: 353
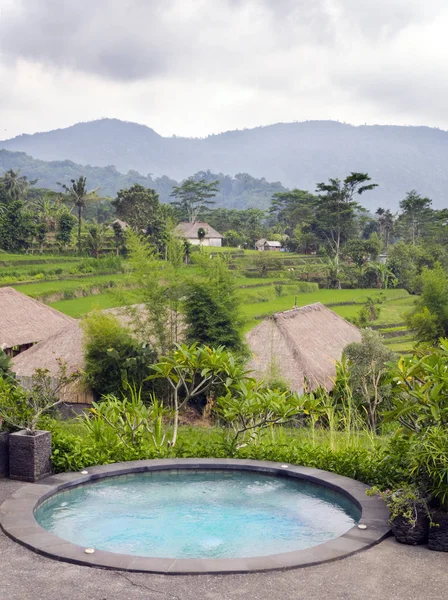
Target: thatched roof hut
x: 25, y: 321
x: 303, y: 343
x: 67, y: 345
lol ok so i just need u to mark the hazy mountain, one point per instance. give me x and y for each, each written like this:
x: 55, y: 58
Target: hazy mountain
x: 241, y: 191
x: 297, y: 154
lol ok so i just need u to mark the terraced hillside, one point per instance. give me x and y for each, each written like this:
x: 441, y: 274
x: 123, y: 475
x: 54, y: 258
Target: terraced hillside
x: 76, y: 286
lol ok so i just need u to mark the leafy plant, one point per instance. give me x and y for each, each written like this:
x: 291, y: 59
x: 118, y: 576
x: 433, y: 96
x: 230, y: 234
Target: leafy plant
x: 194, y: 370
x: 22, y: 409
x: 429, y: 460
x: 127, y: 421
x: 420, y: 392
x: 247, y: 409
x: 405, y: 501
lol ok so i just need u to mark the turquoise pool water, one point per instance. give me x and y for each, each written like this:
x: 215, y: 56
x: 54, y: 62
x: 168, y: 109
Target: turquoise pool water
x: 198, y: 514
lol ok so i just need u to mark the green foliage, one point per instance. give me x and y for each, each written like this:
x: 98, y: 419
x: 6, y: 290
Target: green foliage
x: 193, y: 198
x: 420, y: 392
x: 16, y: 227
x: 211, y: 308
x: 429, y: 462
x: 406, y: 501
x: 406, y: 262
x: 97, y: 239
x: 247, y: 409
x: 368, y: 374
x: 77, y: 195
x: 66, y: 224
x: 6, y: 373
x: 265, y: 263
x: 336, y: 209
x: 150, y: 274
x: 360, y: 251
x: 113, y: 357
x: 193, y: 371
x: 141, y: 208
x: 415, y: 218
x: 127, y: 422
x: 14, y: 406
x: 22, y: 409
x: 430, y: 316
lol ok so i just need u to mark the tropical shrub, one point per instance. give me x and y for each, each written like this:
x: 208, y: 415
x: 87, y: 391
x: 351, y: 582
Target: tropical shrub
x: 113, y: 357
x: 420, y: 389
x: 368, y: 374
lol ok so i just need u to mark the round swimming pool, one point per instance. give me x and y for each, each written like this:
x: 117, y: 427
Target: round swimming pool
x: 198, y: 514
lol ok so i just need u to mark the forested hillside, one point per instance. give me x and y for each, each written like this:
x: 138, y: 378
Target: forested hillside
x: 296, y: 154
x: 241, y: 191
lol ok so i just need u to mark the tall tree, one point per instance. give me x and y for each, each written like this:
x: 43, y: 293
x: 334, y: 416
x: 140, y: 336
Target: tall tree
x: 212, y: 308
x: 336, y: 211
x: 193, y: 198
x: 293, y: 208
x: 141, y: 208
x: 15, y: 184
x: 78, y: 196
x: 386, y: 223
x: 416, y: 213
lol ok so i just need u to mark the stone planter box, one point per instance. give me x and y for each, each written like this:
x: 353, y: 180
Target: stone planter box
x: 438, y: 533
x: 29, y: 455
x: 4, y: 454
x: 405, y: 533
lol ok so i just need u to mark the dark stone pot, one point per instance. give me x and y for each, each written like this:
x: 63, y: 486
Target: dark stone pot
x: 406, y: 533
x: 438, y: 533
x: 29, y: 455
x: 4, y: 454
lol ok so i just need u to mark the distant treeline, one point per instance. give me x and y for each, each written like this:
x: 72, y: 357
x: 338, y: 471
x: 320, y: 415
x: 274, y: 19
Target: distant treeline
x: 241, y: 191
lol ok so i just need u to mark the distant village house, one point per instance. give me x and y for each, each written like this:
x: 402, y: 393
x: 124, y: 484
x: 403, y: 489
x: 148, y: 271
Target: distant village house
x: 189, y: 231
x: 266, y: 245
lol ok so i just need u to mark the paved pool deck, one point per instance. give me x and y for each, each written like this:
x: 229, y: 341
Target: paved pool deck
x: 386, y: 571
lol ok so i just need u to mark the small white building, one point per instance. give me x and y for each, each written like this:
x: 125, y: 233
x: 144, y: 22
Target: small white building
x: 189, y: 231
x: 266, y: 245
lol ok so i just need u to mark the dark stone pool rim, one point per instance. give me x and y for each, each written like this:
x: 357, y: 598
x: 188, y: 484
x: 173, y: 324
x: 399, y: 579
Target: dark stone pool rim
x: 18, y: 522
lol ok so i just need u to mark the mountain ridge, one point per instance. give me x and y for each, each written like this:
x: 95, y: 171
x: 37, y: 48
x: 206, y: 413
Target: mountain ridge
x: 300, y: 154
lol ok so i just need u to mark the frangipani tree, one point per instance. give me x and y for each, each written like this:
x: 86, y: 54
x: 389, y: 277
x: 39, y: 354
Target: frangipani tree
x: 195, y: 370
x: 248, y: 408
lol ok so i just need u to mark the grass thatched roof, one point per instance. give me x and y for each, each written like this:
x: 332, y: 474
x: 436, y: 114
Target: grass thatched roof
x: 24, y: 320
x: 68, y: 344
x: 300, y: 343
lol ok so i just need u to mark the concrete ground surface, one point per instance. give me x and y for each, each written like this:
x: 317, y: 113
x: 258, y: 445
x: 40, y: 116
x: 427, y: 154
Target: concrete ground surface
x: 387, y: 571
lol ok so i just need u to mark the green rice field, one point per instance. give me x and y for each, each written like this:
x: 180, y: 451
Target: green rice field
x: 56, y: 280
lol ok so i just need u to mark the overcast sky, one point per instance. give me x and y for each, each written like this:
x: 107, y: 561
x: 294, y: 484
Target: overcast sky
x: 194, y: 67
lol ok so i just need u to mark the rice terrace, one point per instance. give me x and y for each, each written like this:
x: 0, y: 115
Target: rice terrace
x: 223, y: 300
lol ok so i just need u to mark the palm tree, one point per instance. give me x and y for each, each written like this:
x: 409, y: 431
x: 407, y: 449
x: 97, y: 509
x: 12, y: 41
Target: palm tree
x: 15, y: 184
x: 78, y: 196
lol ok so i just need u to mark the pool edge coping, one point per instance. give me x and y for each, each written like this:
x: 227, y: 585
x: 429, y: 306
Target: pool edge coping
x: 18, y: 522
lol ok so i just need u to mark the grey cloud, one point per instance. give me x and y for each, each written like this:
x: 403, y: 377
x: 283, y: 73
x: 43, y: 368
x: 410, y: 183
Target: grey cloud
x: 117, y: 39
x: 128, y: 40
